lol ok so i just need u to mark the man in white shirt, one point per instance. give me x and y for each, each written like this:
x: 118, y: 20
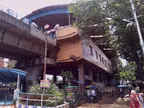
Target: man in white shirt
x: 141, y: 99
x: 93, y: 95
x: 89, y: 95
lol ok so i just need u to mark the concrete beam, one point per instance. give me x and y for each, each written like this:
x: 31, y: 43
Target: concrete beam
x: 13, y: 56
x: 9, y: 51
x: 35, y: 61
x: 22, y: 42
x: 15, y: 25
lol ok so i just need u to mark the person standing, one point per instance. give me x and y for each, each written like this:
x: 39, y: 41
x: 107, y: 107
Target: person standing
x: 141, y: 99
x: 121, y: 92
x: 88, y: 95
x: 134, y: 101
x: 93, y: 95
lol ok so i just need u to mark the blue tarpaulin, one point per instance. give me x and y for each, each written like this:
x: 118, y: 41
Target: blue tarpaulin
x: 79, y: 82
x: 8, y: 75
x: 121, y: 86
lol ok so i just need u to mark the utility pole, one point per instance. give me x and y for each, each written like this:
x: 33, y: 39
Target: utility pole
x: 137, y: 25
x: 45, y: 59
x: 45, y: 56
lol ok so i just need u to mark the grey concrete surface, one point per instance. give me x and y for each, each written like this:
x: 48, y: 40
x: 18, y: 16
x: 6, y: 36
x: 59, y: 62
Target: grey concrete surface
x: 19, y: 40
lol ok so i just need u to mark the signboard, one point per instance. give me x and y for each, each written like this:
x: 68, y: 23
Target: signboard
x: 46, y: 26
x: 45, y: 84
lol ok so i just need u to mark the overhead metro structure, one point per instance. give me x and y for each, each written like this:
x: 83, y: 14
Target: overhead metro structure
x: 26, y: 44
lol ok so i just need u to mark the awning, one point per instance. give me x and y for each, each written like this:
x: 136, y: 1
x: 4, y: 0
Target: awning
x: 79, y: 82
x: 92, y: 87
x: 8, y: 75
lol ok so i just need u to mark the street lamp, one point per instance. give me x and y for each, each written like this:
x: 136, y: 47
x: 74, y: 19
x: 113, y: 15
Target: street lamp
x: 137, y: 25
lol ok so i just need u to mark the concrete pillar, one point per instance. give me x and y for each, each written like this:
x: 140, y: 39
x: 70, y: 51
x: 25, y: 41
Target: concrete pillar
x: 98, y: 76
x: 34, y: 74
x: 81, y: 75
x: 54, y: 78
x: 90, y: 73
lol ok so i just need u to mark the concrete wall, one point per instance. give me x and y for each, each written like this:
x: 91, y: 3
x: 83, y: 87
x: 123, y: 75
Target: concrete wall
x: 70, y: 44
x: 18, y: 38
x: 106, y: 65
x: 67, y: 49
x: 66, y: 32
x: 19, y: 26
x: 33, y: 75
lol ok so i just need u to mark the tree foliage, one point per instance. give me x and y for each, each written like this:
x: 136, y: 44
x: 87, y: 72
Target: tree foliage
x: 125, y: 38
x: 127, y: 72
x: 51, y: 94
x: 92, y: 15
x: 89, y: 16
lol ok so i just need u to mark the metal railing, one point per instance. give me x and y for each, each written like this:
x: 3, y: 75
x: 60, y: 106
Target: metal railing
x: 6, y: 95
x: 17, y: 16
x: 6, y: 99
x: 32, y: 99
x: 9, y: 11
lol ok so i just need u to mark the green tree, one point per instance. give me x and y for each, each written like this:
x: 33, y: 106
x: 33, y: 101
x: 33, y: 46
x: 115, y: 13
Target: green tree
x: 88, y: 15
x: 96, y: 17
x: 125, y: 38
x: 127, y: 73
x: 68, y: 76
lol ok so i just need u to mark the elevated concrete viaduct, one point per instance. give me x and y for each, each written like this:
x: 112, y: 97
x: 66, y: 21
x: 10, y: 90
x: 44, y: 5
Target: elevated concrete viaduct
x: 26, y: 44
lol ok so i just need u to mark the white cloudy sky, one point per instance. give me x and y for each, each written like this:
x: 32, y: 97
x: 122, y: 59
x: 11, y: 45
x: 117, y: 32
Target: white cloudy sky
x: 24, y: 7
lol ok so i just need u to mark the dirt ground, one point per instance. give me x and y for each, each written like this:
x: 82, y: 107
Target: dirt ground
x: 108, y: 103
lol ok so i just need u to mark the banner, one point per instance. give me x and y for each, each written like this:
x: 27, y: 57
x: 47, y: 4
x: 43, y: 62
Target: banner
x: 45, y: 84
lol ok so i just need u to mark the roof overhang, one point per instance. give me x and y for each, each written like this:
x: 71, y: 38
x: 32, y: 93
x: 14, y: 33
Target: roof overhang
x: 8, y: 75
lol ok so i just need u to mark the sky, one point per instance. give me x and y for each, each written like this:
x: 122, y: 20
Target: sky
x: 124, y: 62
x: 24, y: 7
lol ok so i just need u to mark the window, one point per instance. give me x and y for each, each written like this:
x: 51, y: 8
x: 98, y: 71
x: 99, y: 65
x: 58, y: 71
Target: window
x: 105, y: 62
x: 96, y: 54
x: 91, y: 51
x: 100, y: 58
x: 109, y: 66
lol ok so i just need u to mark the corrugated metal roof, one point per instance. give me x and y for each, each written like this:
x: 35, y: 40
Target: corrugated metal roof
x: 46, y: 9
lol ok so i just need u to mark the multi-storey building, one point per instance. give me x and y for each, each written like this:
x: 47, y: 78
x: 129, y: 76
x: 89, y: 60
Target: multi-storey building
x: 90, y: 60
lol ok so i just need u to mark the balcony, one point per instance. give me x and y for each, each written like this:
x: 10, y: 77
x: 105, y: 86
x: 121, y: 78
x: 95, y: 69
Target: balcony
x: 66, y: 32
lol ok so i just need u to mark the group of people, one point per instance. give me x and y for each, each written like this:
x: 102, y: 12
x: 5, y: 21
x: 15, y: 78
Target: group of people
x: 92, y: 96
x: 136, y: 99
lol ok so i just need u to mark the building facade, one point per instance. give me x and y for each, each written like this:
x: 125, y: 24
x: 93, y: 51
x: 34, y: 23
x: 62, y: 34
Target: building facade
x: 88, y: 59
x: 81, y: 56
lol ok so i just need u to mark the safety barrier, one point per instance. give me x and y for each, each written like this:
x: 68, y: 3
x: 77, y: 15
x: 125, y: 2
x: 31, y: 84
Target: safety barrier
x: 6, y: 99
x: 26, y: 100
x: 6, y: 95
x: 9, y: 11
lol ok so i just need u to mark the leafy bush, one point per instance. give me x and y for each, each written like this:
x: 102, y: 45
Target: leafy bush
x: 52, y: 96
